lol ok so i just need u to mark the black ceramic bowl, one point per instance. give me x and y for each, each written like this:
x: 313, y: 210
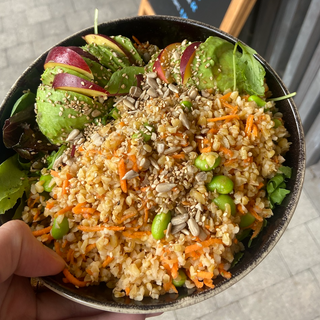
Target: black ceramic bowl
x: 161, y: 30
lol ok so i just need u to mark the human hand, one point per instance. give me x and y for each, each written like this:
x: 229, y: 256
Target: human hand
x: 23, y: 256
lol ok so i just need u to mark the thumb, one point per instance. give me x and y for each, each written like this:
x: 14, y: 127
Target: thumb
x: 22, y: 254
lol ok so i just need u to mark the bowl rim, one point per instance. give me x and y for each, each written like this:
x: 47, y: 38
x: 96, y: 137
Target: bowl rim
x: 200, y: 296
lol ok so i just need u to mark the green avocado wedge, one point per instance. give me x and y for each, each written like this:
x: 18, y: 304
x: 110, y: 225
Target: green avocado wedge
x: 208, y: 71
x: 127, y: 44
x: 13, y: 183
x: 100, y: 73
x: 122, y: 80
x: 48, y: 75
x: 60, y: 111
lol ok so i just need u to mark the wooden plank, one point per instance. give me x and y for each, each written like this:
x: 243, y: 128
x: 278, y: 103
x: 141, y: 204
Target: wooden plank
x: 145, y: 9
x: 236, y: 16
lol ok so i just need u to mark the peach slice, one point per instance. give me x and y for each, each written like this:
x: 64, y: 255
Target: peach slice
x: 63, y: 56
x: 69, y: 82
x: 186, y: 61
x: 162, y: 62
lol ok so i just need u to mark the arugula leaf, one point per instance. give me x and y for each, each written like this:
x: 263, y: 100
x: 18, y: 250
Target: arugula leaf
x: 250, y: 73
x: 277, y: 196
x: 13, y: 183
x: 23, y: 102
x: 274, y: 183
x: 287, y: 171
x: 122, y: 80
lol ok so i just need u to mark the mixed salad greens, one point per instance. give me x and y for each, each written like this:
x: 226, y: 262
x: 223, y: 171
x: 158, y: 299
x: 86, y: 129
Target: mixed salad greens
x: 78, y: 86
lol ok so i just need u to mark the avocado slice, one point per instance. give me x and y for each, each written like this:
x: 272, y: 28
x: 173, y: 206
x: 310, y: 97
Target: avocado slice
x: 127, y: 44
x: 100, y: 73
x: 60, y: 111
x: 48, y: 75
x: 207, y: 72
x: 110, y: 59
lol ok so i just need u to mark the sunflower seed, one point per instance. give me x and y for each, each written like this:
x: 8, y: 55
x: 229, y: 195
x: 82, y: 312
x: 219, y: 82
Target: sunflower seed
x: 130, y: 175
x: 95, y: 113
x: 193, y: 94
x: 172, y: 150
x: 193, y: 227
x: 187, y: 149
x: 151, y: 75
x: 154, y: 163
x: 173, y: 88
x: 135, y: 91
x: 152, y: 83
x: 166, y: 93
x: 144, y: 164
x: 202, y: 235
x: 73, y: 134
x: 152, y: 93
x: 201, y: 176
x: 169, y: 228
x: 181, y: 209
x: 184, y: 120
x: 177, y: 228
x: 130, y: 99
x: 160, y: 148
x: 128, y: 104
x: 165, y: 187
x: 205, y: 93
x: 180, y: 219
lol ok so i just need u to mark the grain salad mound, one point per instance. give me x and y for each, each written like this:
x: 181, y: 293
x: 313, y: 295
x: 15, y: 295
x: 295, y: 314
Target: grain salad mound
x: 113, y: 181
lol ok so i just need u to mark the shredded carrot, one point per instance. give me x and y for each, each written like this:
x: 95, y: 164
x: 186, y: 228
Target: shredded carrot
x: 115, y: 228
x: 121, y: 124
x: 122, y: 172
x: 88, y: 271
x: 46, y: 237
x: 127, y: 216
x: 90, y: 229
x: 226, y: 151
x: 36, y: 216
x: 229, y: 162
x: 205, y: 275
x: 213, y: 131
x: 257, y: 229
x: 174, y: 288
x: 249, y: 124
x: 137, y: 234
x: 90, y: 247
x: 167, y: 285
x: 146, y: 215
x: 40, y: 232
x: 64, y: 244
x: 199, y: 284
x: 127, y: 290
x: 255, y: 130
x: 63, y: 211
x: 239, y: 208
x: 226, y: 96
x: 259, y: 218
x: 107, y: 261
x: 70, y: 254
x: 49, y: 205
x: 81, y: 149
x: 208, y: 283
x: 228, y: 105
x: 54, y: 173
x: 205, y: 150
x: 261, y: 184
x: 145, y: 189
x: 31, y: 202
x: 137, y: 41
x: 225, y: 273
x: 72, y: 279
x: 133, y: 158
x: 179, y: 156
x: 230, y: 116
x: 245, y: 97
x: 174, y: 270
x: 57, y: 248
x: 84, y: 210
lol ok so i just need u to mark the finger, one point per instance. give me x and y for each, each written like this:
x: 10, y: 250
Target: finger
x: 24, y: 255
x: 52, y: 306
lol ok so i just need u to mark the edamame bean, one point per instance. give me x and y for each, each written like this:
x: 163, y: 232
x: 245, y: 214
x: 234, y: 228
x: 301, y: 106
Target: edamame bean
x: 145, y: 135
x: 202, y: 161
x: 224, y: 199
x: 246, y: 220
x: 260, y: 102
x: 47, y: 180
x: 159, y: 224
x: 180, y: 280
x: 221, y: 184
x: 186, y: 104
x: 60, y: 229
x: 277, y: 123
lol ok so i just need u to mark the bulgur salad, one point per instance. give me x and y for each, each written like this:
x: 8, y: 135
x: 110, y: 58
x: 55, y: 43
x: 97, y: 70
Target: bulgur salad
x: 145, y: 169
